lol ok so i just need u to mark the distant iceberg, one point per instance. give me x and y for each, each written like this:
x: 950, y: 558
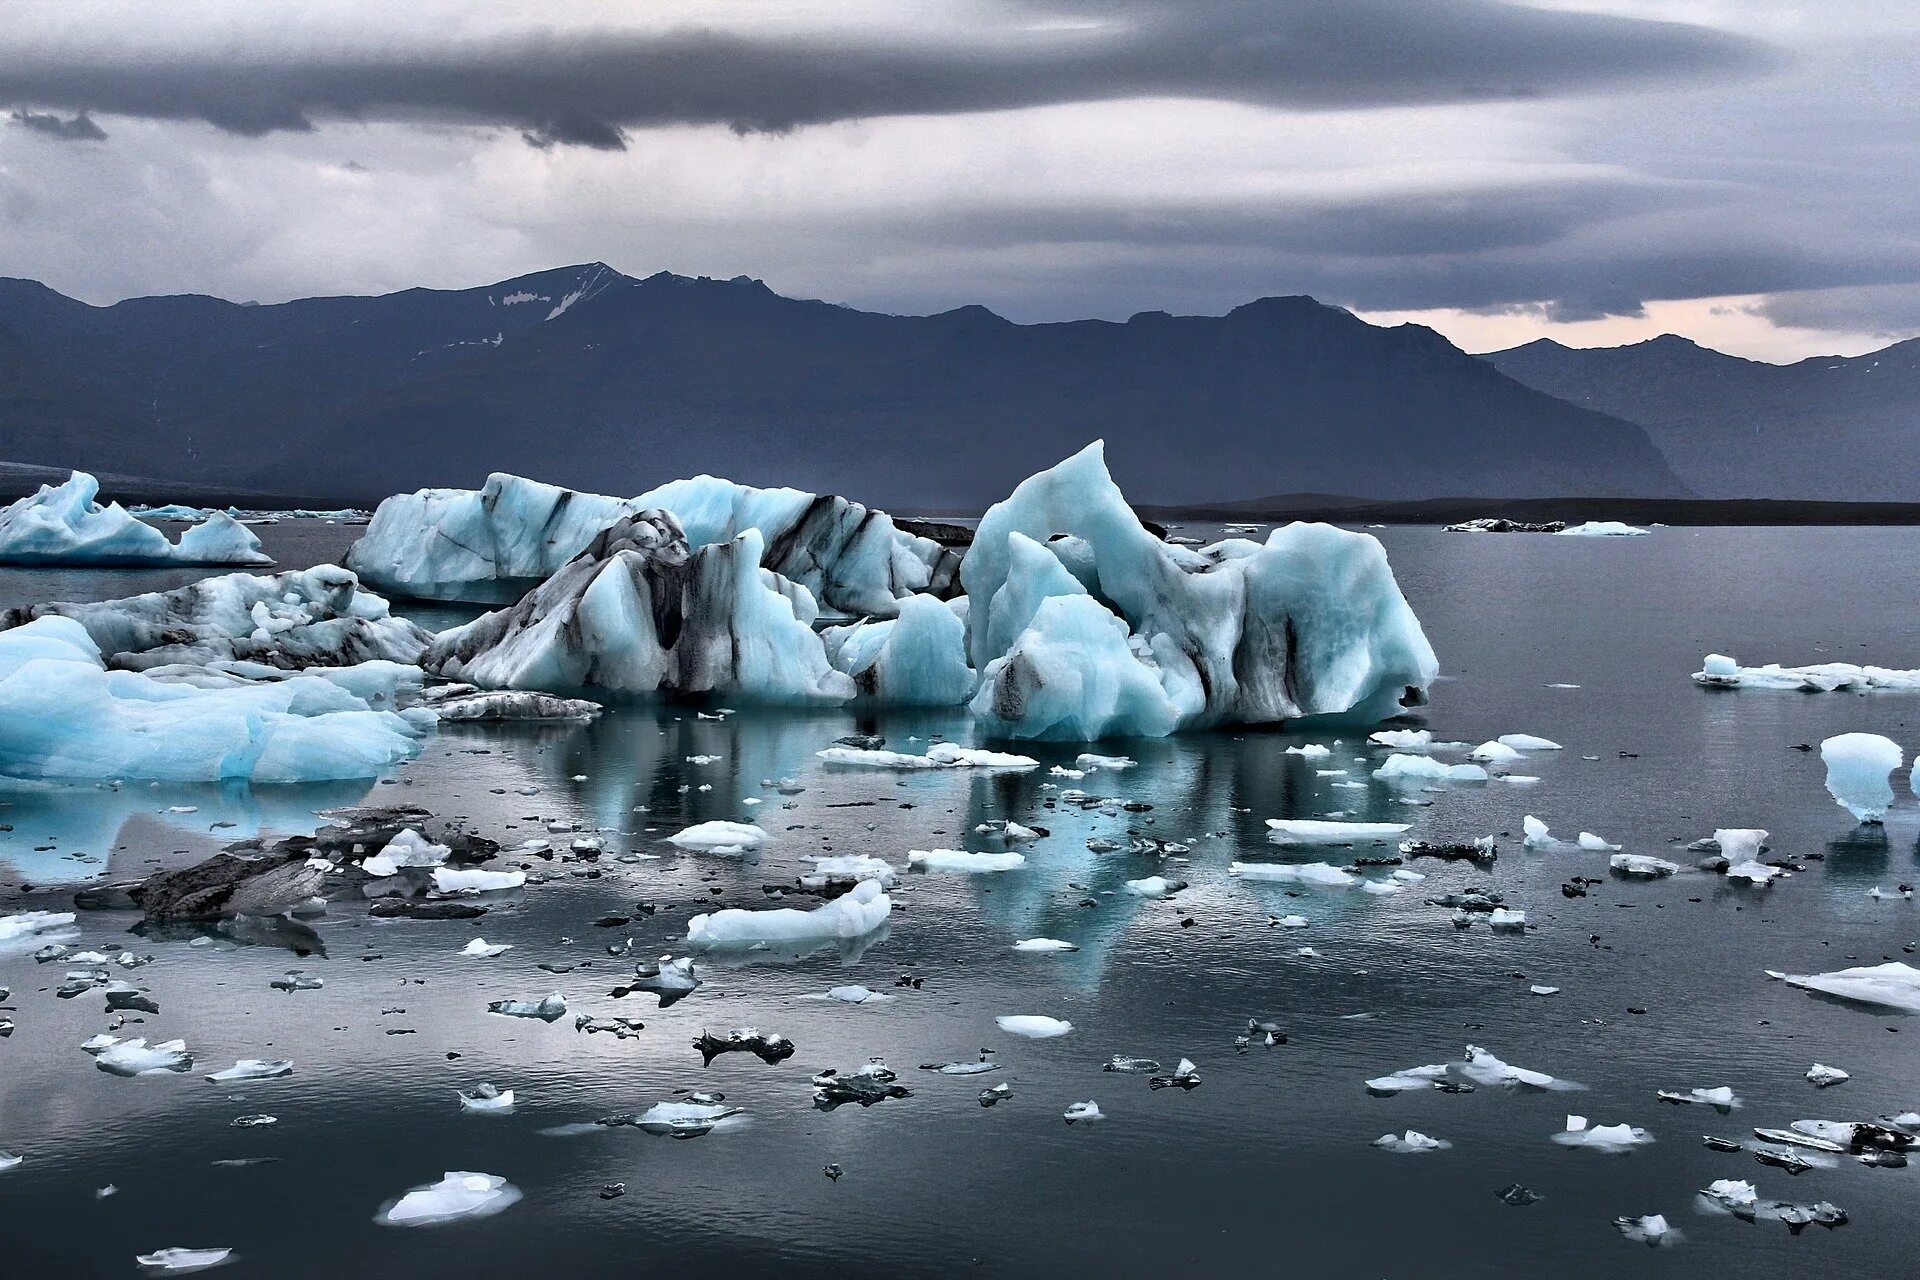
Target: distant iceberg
x: 65, y: 524
x: 493, y: 545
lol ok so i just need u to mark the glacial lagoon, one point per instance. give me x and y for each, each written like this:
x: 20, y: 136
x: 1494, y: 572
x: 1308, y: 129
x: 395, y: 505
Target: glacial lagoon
x: 1267, y: 1164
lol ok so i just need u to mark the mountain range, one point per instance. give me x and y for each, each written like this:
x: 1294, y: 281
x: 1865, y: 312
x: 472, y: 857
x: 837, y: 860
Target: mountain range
x: 587, y: 377
x: 1828, y: 427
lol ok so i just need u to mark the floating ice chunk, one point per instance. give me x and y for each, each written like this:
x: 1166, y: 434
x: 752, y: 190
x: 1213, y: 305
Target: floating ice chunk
x: 1611, y: 1138
x: 1154, y: 887
x: 486, y: 1099
x: 849, y: 869
x: 1427, y: 1077
x: 179, y: 1261
x: 916, y: 659
x: 1722, y: 1097
x: 1033, y: 1026
x: 485, y: 950
x: 1824, y: 1077
x: 1078, y: 1112
x: 962, y: 860
x: 1412, y: 1142
x: 64, y: 715
x: 1758, y: 874
x: 10, y: 1161
x: 1185, y: 1076
x: 1857, y: 769
x: 1892, y: 985
x: 1740, y: 844
x: 853, y: 914
x: 457, y: 1195
x: 1318, y: 873
x: 980, y: 1066
x: 1412, y: 740
x: 65, y: 524
x: 1722, y: 672
x: 1087, y: 760
x: 407, y: 849
x: 1482, y: 1067
x: 1600, y: 529
x: 720, y: 836
x: 1527, y: 742
x: 1539, y: 990
x: 452, y: 880
x: 1652, y: 1230
x: 1505, y: 918
x: 871, y: 1083
x: 1311, y: 751
x: 27, y: 924
x: 1044, y: 946
x: 550, y: 1009
x: 254, y: 1069
x: 1595, y: 844
x: 1642, y: 865
x: 669, y: 979
x: 685, y: 1119
x: 942, y: 755
x: 1536, y: 832
x: 136, y: 1058
x: 1404, y: 768
x: 852, y: 994
x: 1303, y: 831
x: 1494, y: 753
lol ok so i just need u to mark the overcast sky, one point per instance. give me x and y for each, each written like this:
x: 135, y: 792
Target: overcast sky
x: 1741, y: 171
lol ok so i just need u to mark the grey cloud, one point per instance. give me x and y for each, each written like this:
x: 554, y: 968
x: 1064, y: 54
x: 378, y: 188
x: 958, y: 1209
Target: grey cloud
x: 79, y: 128
x: 586, y: 87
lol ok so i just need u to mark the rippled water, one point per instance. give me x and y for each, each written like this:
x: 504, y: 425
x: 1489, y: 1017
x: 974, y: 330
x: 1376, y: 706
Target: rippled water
x: 1265, y: 1167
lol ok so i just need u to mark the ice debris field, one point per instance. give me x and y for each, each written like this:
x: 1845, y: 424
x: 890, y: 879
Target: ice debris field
x: 761, y: 830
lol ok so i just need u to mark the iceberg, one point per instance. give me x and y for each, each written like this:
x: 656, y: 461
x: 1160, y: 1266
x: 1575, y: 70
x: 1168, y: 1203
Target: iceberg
x: 1309, y: 623
x: 457, y: 1195
x: 65, y: 524
x: 493, y: 545
x: 1858, y: 765
x: 64, y: 715
x: 639, y: 613
x: 1892, y: 985
x: 317, y: 617
x: 917, y: 659
x: 851, y: 915
x: 1722, y: 672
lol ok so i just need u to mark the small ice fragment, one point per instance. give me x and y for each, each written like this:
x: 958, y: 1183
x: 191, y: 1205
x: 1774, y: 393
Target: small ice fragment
x: 1824, y: 1077
x: 254, y: 1069
x: 1494, y: 753
x: 457, y: 1195
x: 1652, y: 1230
x: 486, y: 1099
x: 178, y: 1261
x: 1642, y: 865
x: 1087, y: 760
x: 1527, y: 741
x: 551, y: 1009
x: 1308, y: 831
x: 407, y: 849
x: 474, y: 880
x: 135, y: 1058
x: 719, y: 836
x: 1410, y: 769
x: 1044, y: 945
x: 1088, y: 1111
x: 963, y: 861
x: 851, y: 915
x: 1505, y: 918
x: 1319, y: 873
x: 1539, y: 990
x: 485, y: 950
x: 1536, y: 832
x: 1311, y: 751
x: 1185, y: 1076
x: 1412, y: 1142
x: 1610, y: 1138
x: 1595, y: 844
x: 1154, y: 886
x: 1033, y: 1026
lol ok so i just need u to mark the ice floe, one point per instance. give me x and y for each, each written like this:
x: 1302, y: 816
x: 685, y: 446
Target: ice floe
x: 861, y: 911
x: 486, y: 1099
x: 1893, y: 985
x: 1314, y: 873
x: 720, y: 836
x: 457, y: 1195
x: 1600, y: 529
x: 137, y: 1058
x: 1415, y: 769
x: 1412, y: 1142
x: 1642, y: 865
x: 941, y: 755
x: 1722, y: 672
x: 962, y: 860
x: 66, y: 524
x: 1309, y: 831
x: 176, y: 1260
x: 1033, y: 1026
x: 1610, y: 1138
x: 253, y: 1069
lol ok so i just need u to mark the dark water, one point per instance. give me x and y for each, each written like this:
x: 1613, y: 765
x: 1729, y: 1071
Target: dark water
x: 1266, y: 1167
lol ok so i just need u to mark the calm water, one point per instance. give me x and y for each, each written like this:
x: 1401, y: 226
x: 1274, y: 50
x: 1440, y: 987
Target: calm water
x: 1265, y: 1167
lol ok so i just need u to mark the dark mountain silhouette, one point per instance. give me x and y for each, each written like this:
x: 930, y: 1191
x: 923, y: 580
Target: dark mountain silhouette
x: 1828, y: 427
x: 587, y: 377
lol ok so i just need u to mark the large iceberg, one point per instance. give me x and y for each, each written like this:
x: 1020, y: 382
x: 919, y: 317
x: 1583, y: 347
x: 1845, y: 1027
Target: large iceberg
x: 639, y: 612
x: 1308, y: 623
x: 64, y: 715
x: 493, y: 545
x: 317, y: 617
x: 65, y: 524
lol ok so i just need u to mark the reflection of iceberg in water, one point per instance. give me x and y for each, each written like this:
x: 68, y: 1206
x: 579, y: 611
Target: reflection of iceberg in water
x: 1861, y: 859
x: 64, y: 832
